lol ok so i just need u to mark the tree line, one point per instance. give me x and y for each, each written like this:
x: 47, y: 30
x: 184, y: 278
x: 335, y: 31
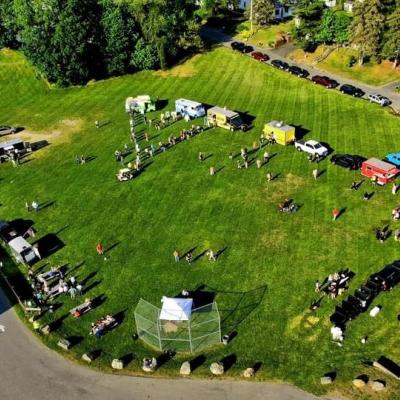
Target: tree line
x: 73, y: 41
x: 373, y: 27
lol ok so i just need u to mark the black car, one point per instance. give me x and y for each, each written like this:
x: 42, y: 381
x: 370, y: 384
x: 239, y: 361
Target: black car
x: 280, y: 64
x: 348, y: 161
x: 300, y: 72
x: 238, y: 46
x: 351, y: 90
x: 247, y: 49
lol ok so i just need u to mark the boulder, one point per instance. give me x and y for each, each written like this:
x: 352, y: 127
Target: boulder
x: 64, y: 344
x: 217, y: 368
x: 358, y: 383
x: 117, y: 364
x: 149, y: 364
x: 46, y: 330
x: 87, y: 357
x: 249, y: 372
x: 326, y: 380
x: 185, y: 369
x: 377, y: 386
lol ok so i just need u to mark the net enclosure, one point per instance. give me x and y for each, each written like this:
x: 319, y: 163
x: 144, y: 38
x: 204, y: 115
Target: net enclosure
x: 177, y: 325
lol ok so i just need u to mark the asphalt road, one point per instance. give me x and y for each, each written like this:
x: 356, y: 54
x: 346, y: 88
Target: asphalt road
x: 30, y: 371
x: 386, y: 90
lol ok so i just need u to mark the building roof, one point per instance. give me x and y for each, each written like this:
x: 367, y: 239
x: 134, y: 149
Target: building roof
x: 280, y: 125
x: 223, y: 111
x: 380, y: 164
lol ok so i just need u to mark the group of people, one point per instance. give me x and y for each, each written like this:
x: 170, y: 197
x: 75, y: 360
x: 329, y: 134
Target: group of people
x: 288, y: 206
x: 334, y: 285
x: 210, y: 254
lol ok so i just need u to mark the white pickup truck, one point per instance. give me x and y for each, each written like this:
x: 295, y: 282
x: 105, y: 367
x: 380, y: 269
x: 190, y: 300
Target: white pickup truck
x: 311, y: 147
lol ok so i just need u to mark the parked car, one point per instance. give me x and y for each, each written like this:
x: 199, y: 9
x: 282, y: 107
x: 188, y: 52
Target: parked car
x: 280, y: 64
x: 237, y: 46
x: 351, y: 90
x: 324, y: 81
x: 247, y: 49
x: 349, y: 161
x: 378, y: 98
x: 311, y: 147
x: 300, y: 72
x: 7, y: 130
x: 393, y: 158
x: 257, y: 55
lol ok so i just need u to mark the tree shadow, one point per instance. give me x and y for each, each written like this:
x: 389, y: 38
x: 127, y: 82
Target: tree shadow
x: 236, y: 306
x: 49, y: 244
x: 75, y: 340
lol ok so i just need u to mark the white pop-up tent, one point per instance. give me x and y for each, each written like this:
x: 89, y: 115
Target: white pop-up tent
x: 176, y: 309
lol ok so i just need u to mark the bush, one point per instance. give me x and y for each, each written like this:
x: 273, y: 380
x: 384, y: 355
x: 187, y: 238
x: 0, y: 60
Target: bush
x: 351, y: 60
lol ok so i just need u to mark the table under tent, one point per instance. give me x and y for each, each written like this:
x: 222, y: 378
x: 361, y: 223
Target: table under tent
x: 178, y: 326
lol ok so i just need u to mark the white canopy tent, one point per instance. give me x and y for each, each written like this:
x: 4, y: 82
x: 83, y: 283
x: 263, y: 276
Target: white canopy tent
x: 176, y: 309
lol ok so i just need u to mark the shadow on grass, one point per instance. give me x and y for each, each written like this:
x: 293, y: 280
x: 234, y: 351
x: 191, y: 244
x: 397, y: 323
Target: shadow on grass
x: 235, y: 306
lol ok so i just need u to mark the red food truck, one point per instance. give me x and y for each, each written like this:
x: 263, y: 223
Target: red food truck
x: 379, y: 171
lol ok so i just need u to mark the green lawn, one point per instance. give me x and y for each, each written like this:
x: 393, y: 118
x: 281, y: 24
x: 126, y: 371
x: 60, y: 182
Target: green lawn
x: 337, y: 62
x: 264, y: 281
x: 263, y: 37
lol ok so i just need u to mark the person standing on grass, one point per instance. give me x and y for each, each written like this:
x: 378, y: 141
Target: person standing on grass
x: 315, y: 173
x: 394, y: 188
x: 146, y: 137
x: 317, y: 286
x: 35, y: 206
x: 258, y: 163
x: 72, y: 292
x: 176, y: 255
x: 97, y: 124
x: 27, y: 206
x: 212, y: 171
x: 211, y: 255
x: 269, y: 177
x: 77, y: 160
x: 99, y: 249
x: 201, y: 157
x: 335, y: 213
x: 246, y: 164
x: 83, y: 159
x: 266, y: 157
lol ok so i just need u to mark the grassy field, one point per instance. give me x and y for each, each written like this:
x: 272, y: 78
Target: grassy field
x: 337, y: 62
x: 263, y: 37
x: 264, y: 280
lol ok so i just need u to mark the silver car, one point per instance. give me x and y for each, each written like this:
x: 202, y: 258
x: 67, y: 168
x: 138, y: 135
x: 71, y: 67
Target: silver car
x: 378, y: 98
x: 7, y: 130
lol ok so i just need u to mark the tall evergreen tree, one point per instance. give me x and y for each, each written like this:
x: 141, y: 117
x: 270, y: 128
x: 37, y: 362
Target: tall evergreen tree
x: 263, y: 12
x: 366, y: 30
x: 391, y: 47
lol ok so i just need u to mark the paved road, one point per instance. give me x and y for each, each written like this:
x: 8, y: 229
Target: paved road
x: 387, y: 90
x: 28, y: 370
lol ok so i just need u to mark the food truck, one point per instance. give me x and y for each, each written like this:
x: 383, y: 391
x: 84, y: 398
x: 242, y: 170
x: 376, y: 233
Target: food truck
x: 379, y: 171
x: 225, y: 118
x: 282, y: 133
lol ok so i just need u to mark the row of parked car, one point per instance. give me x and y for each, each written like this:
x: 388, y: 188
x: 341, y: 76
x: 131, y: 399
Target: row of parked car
x: 302, y: 73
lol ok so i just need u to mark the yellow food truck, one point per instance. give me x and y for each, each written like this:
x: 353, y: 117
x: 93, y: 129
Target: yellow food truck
x: 282, y: 133
x: 227, y: 119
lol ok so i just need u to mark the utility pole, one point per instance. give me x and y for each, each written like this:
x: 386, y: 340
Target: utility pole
x: 251, y: 17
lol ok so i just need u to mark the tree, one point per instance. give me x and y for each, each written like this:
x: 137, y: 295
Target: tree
x: 391, y: 48
x: 166, y: 25
x: 8, y: 31
x: 334, y: 27
x: 144, y: 56
x: 366, y: 30
x: 308, y: 14
x: 120, y: 33
x: 263, y: 12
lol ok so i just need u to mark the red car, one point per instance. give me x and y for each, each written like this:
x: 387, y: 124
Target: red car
x: 324, y: 81
x: 257, y: 55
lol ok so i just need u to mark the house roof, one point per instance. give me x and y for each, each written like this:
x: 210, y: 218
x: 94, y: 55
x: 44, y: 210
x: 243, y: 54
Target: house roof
x: 189, y: 103
x: 19, y: 244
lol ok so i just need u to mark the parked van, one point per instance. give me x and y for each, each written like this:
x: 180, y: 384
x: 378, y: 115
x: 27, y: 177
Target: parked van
x: 22, y: 251
x: 227, y: 119
x: 141, y: 104
x: 191, y: 108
